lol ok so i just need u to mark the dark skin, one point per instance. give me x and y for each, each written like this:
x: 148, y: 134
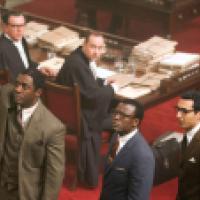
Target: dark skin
x: 124, y: 120
x: 25, y: 93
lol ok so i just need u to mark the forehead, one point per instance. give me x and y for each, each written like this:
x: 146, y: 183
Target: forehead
x: 25, y: 79
x: 126, y: 108
x: 185, y: 103
x: 95, y: 39
x: 16, y: 19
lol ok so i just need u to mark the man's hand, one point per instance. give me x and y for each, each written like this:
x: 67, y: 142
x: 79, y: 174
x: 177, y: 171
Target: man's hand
x: 48, y: 72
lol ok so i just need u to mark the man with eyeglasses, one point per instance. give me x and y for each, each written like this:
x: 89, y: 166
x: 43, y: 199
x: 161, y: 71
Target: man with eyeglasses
x: 188, y: 115
x: 80, y: 68
x: 14, y: 53
x: 128, y: 173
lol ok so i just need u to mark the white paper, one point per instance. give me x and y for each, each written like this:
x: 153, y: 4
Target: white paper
x: 104, y: 73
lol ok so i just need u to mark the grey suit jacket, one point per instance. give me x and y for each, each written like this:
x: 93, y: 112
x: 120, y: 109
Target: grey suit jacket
x: 189, y: 174
x: 130, y: 175
x: 41, y: 156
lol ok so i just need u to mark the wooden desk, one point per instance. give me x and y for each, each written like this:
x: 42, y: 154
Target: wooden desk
x: 170, y: 16
x: 169, y: 88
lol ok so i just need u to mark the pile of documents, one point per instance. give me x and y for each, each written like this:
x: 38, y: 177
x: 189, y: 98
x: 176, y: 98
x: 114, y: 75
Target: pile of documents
x: 54, y: 64
x: 147, y: 54
x: 72, y: 46
x: 58, y: 38
x: 34, y: 30
x: 133, y: 87
x: 179, y: 62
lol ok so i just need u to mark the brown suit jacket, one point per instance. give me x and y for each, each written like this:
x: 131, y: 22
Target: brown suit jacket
x: 41, y: 155
x: 189, y: 176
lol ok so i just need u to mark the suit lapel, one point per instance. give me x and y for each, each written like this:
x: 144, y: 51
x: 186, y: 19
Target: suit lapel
x: 35, y: 119
x: 124, y: 151
x: 194, y: 144
x: 12, y: 50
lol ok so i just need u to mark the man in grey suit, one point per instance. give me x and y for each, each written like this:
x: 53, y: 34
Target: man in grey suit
x: 129, y: 167
x: 31, y: 142
x: 188, y: 114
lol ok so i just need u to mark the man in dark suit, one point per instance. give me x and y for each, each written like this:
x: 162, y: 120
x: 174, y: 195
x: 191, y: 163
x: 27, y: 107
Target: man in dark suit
x: 129, y: 167
x: 31, y: 142
x: 188, y: 114
x: 14, y: 54
x: 80, y: 68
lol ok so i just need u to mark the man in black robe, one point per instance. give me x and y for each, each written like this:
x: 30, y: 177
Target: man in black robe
x: 80, y: 68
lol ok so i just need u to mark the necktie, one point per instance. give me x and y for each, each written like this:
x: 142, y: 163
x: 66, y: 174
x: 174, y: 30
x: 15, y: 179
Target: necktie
x: 113, y: 151
x: 184, y: 143
x: 19, y: 116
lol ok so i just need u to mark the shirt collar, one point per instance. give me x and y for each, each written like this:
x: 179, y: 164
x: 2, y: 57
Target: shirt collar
x: 30, y: 109
x: 28, y: 112
x: 192, y: 132
x: 8, y: 37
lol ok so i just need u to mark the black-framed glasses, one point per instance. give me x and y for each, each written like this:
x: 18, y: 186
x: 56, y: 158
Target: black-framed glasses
x: 183, y: 110
x: 121, y: 114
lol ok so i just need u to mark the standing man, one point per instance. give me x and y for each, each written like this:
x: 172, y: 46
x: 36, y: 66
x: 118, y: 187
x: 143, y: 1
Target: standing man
x: 188, y: 114
x: 31, y: 142
x: 129, y: 167
x: 14, y: 54
x: 80, y: 68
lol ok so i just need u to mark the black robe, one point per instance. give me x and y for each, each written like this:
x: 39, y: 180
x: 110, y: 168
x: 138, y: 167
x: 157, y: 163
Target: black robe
x: 10, y: 58
x: 95, y: 102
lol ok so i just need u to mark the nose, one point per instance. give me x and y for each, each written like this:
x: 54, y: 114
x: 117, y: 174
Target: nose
x: 178, y: 114
x: 18, y: 88
x: 116, y: 116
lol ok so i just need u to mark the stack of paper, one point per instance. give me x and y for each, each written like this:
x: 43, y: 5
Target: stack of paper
x: 58, y: 38
x: 34, y: 30
x: 133, y: 92
x: 147, y: 54
x: 104, y: 73
x: 72, y: 46
x: 54, y: 64
x: 179, y: 61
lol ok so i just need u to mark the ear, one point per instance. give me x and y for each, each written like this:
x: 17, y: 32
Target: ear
x: 198, y: 115
x: 135, y: 122
x: 38, y: 92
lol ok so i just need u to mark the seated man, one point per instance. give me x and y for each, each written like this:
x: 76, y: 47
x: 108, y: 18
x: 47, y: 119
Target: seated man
x: 14, y: 53
x: 32, y: 153
x: 80, y: 68
x: 129, y: 167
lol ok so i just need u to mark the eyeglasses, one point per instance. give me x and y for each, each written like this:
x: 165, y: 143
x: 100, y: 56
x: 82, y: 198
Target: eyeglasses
x: 183, y: 110
x: 121, y: 114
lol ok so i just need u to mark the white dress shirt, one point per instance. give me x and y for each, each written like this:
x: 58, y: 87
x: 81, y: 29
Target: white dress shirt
x: 93, y: 67
x: 124, y: 139
x: 27, y: 113
x: 191, y: 133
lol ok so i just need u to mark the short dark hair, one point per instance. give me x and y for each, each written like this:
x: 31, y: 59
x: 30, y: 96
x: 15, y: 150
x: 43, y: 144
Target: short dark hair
x: 193, y: 95
x: 6, y: 15
x: 90, y: 33
x: 139, y: 108
x: 37, y: 76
